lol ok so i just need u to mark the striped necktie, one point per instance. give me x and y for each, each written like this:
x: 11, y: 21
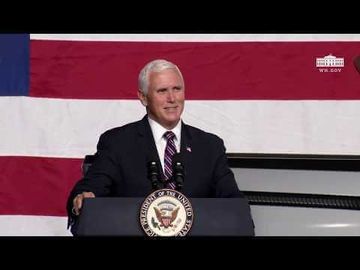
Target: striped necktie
x: 170, y: 150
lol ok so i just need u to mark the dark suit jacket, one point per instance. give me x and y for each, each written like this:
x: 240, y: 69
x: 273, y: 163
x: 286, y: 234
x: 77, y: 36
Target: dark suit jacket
x: 120, y: 164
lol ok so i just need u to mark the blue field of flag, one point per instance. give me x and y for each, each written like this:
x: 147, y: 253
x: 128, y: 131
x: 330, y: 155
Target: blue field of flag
x: 14, y: 64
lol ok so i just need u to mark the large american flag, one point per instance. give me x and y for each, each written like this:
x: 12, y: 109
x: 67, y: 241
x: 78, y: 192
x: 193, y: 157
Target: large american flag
x: 273, y: 93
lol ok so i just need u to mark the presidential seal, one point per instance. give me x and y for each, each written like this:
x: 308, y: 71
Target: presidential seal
x: 166, y: 212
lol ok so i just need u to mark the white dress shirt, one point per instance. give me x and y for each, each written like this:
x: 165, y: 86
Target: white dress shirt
x: 160, y: 142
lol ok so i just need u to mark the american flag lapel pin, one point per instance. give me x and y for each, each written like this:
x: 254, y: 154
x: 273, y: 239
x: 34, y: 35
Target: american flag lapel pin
x: 188, y: 148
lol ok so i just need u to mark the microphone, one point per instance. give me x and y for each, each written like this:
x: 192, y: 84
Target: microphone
x: 153, y: 174
x: 178, y: 171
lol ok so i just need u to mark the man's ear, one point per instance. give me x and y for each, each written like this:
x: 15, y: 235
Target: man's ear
x: 142, y: 98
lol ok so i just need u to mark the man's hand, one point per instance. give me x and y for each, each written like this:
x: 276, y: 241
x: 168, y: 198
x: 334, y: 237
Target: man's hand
x: 78, y: 200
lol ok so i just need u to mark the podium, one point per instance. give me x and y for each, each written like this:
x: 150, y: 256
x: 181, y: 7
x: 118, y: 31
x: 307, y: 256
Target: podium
x: 118, y: 216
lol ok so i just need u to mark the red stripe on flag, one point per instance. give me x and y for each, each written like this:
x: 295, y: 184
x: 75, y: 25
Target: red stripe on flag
x: 36, y: 186
x: 212, y: 70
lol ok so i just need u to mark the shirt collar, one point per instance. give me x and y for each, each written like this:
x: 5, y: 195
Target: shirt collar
x: 158, y: 130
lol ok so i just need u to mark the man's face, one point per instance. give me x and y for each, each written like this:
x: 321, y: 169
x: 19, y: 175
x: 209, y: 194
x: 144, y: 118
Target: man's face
x: 165, y: 98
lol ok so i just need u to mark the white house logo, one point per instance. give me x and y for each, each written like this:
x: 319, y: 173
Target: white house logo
x: 166, y: 212
x: 330, y: 63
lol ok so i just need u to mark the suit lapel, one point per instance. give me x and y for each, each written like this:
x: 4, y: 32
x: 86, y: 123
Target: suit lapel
x: 186, y: 147
x: 147, y: 142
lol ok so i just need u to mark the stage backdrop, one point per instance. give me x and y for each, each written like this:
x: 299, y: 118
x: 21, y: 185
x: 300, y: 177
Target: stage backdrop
x: 260, y: 93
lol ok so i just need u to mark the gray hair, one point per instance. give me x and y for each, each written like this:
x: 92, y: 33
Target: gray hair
x: 154, y: 66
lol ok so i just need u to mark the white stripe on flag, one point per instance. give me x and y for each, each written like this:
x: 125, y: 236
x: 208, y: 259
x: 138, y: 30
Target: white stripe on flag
x: 19, y: 225
x: 71, y: 128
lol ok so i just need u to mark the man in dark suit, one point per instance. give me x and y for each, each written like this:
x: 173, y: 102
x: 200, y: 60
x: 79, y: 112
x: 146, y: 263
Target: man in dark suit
x: 123, y: 153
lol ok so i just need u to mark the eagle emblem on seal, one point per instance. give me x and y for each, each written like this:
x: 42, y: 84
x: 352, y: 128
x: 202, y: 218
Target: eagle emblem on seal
x: 166, y: 216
